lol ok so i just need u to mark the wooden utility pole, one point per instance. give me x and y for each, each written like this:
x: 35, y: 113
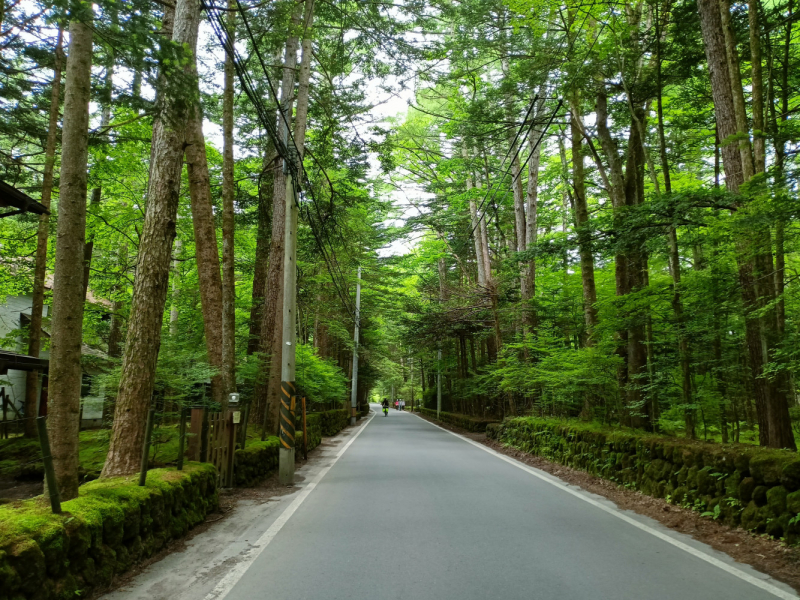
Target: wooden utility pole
x: 354, y: 388
x: 411, y: 364
x: 439, y: 382
x: 288, y: 396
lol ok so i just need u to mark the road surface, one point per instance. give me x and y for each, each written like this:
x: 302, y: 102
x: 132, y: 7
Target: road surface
x: 403, y: 509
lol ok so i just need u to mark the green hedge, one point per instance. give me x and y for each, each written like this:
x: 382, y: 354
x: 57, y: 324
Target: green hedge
x: 255, y: 461
x: 112, y: 525
x: 755, y: 488
x: 475, y: 424
x: 333, y: 421
x: 258, y: 459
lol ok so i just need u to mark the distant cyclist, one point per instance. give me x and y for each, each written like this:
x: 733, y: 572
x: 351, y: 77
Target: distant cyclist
x: 385, y: 405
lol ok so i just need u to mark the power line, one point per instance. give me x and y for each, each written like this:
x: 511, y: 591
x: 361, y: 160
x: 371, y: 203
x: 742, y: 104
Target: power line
x: 290, y: 155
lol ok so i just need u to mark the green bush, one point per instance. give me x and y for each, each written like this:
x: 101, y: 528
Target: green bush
x: 258, y: 459
x: 742, y: 485
x: 112, y: 525
x: 333, y: 421
x: 475, y: 424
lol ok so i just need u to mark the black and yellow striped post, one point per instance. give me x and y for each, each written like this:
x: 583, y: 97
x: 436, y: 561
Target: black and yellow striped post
x: 288, y: 393
x: 288, y: 400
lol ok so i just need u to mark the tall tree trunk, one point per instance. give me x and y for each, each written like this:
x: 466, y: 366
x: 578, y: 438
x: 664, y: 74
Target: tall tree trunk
x: 582, y: 221
x: 674, y: 258
x: 206, y: 249
x: 67, y: 331
x: 780, y: 173
x: 42, y: 233
x: 757, y: 84
x: 265, y: 191
x: 771, y: 401
x: 97, y: 192
x: 531, y: 222
x: 228, y: 223
x: 153, y: 264
x: 174, y: 313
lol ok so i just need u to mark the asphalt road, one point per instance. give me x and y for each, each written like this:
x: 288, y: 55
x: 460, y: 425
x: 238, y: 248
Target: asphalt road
x: 412, y: 512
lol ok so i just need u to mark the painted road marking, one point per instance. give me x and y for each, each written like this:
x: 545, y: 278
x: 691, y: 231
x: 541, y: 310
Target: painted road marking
x: 226, y: 584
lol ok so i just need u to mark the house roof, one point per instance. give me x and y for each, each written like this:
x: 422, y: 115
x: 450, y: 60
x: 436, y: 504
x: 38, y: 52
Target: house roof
x: 21, y: 362
x: 11, y: 197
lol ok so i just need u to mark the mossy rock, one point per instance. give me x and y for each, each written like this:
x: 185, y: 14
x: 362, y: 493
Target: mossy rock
x: 790, y: 476
x: 691, y: 478
x: 680, y: 495
x: 760, y: 495
x: 732, y: 484
x: 793, y: 502
x: 683, y: 473
x: 746, y: 489
x: 776, y: 527
x: 751, y: 518
x: 29, y: 562
x: 776, y: 500
x: 766, y: 470
x: 704, y: 480
x: 741, y: 460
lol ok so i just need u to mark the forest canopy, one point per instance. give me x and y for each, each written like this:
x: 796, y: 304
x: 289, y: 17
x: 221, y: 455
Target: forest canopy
x: 568, y: 209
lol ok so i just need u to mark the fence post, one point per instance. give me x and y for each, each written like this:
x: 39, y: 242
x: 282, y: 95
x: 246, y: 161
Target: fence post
x: 148, y: 432
x: 182, y: 437
x: 204, y: 437
x: 49, y: 471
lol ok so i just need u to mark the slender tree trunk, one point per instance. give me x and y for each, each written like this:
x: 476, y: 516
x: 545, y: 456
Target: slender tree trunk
x: 174, y: 313
x: 105, y: 119
x: 153, y: 264
x: 265, y: 191
x: 757, y: 84
x: 674, y: 259
x: 67, y: 329
x: 206, y: 250
x: 771, y: 401
x: 531, y: 223
x: 582, y: 221
x: 228, y: 223
x: 42, y: 233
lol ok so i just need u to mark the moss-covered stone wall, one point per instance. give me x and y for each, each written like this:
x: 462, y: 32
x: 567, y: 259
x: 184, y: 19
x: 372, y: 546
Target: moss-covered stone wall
x: 755, y: 488
x: 259, y: 459
x: 475, y: 424
x: 111, y: 526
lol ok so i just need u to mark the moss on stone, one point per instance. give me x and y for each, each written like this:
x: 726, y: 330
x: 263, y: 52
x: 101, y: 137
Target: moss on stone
x: 751, y: 486
x: 776, y: 500
x: 44, y: 555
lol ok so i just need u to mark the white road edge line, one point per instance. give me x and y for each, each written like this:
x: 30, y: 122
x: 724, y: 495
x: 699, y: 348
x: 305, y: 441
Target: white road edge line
x: 759, y: 583
x: 226, y: 584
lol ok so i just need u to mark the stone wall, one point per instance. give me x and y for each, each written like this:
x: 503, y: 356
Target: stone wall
x: 110, y: 527
x: 259, y: 459
x: 475, y: 424
x: 755, y: 488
